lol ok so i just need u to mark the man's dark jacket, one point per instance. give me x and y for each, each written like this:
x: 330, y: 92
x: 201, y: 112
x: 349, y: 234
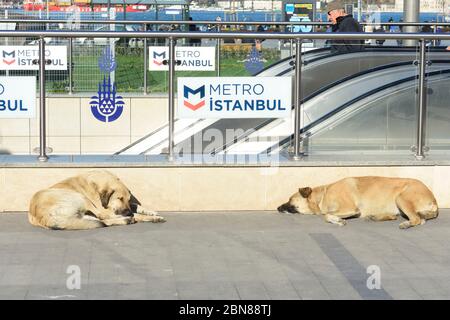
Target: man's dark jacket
x: 347, y: 24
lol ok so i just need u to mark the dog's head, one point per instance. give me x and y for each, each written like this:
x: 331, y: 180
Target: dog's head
x: 118, y: 200
x: 298, y: 203
x: 114, y: 194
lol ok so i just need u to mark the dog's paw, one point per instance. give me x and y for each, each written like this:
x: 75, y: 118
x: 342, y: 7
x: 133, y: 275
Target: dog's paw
x: 404, y: 225
x: 131, y: 220
x: 286, y: 212
x: 341, y: 223
x: 148, y: 218
x: 146, y: 212
x: 159, y: 219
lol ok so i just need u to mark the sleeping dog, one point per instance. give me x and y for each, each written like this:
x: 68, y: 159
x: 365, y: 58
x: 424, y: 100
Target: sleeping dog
x: 91, y: 200
x: 374, y: 198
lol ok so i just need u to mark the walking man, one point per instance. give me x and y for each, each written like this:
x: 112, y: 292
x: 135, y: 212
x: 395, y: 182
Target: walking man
x: 343, y: 22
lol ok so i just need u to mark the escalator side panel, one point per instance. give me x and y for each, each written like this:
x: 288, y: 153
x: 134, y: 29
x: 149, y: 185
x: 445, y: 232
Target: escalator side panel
x: 314, y: 76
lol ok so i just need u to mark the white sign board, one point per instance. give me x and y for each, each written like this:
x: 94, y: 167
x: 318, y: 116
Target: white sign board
x: 192, y: 58
x: 173, y: 12
x: 17, y: 97
x: 21, y: 57
x: 7, y: 26
x: 234, y: 97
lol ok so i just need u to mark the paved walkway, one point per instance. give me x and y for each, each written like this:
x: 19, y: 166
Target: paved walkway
x: 246, y: 255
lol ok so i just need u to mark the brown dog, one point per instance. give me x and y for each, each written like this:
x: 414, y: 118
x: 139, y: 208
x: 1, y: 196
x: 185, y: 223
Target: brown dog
x: 374, y: 198
x: 92, y: 200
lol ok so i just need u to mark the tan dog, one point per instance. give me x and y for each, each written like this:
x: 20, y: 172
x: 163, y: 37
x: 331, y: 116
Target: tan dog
x: 92, y: 200
x: 374, y: 198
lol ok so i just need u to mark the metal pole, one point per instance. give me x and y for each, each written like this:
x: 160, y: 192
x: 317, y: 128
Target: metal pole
x: 218, y: 51
x: 298, y: 143
x: 109, y: 10
x: 422, y: 103
x: 411, y: 10
x: 172, y: 63
x: 359, y: 10
x: 291, y: 47
x: 291, y: 42
x: 435, y: 41
x: 145, y: 62
x: 70, y: 66
x: 42, y: 137
x: 7, y: 39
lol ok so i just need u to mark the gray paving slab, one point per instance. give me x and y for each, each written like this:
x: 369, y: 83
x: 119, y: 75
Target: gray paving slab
x: 162, y: 289
x: 400, y: 289
x: 348, y: 266
x: 281, y: 290
x: 311, y: 289
x: 252, y: 290
x: 232, y: 255
x: 222, y: 290
x: 193, y: 290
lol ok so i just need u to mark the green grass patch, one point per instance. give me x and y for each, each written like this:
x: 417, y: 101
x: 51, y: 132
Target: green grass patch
x: 129, y: 75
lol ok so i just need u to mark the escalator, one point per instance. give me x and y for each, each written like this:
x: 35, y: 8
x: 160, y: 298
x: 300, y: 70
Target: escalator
x: 380, y: 117
x: 316, y: 76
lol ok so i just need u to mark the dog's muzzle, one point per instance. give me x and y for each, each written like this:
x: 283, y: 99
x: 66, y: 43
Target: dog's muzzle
x: 126, y: 213
x: 287, y: 208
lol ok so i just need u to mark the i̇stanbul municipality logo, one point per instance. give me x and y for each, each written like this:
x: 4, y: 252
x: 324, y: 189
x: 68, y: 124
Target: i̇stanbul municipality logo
x: 107, y: 106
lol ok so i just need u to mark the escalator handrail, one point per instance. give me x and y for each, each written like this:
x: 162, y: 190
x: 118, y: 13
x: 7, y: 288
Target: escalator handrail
x: 355, y: 100
x: 148, y: 135
x: 322, y: 90
x: 367, y: 49
x: 365, y: 72
x: 289, y: 58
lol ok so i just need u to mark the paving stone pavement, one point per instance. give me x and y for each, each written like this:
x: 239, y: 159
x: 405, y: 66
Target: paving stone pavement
x: 226, y: 255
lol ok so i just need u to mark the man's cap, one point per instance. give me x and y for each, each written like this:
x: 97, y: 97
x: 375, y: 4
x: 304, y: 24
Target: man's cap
x: 335, y: 5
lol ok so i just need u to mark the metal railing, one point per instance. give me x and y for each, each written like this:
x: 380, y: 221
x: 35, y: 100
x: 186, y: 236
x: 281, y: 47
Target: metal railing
x: 298, y: 38
x: 218, y: 24
x: 221, y: 23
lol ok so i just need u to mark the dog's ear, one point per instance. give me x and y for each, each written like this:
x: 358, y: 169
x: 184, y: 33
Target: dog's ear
x: 105, y: 195
x: 305, y: 192
x: 134, y: 200
x: 134, y: 203
x: 93, y: 185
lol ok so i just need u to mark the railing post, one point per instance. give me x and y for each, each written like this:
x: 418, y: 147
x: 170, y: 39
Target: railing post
x: 291, y: 46
x: 42, y: 136
x: 435, y: 41
x: 172, y: 63
x: 298, y: 142
x: 218, y: 51
x: 422, y: 103
x: 70, y: 66
x: 145, y: 62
